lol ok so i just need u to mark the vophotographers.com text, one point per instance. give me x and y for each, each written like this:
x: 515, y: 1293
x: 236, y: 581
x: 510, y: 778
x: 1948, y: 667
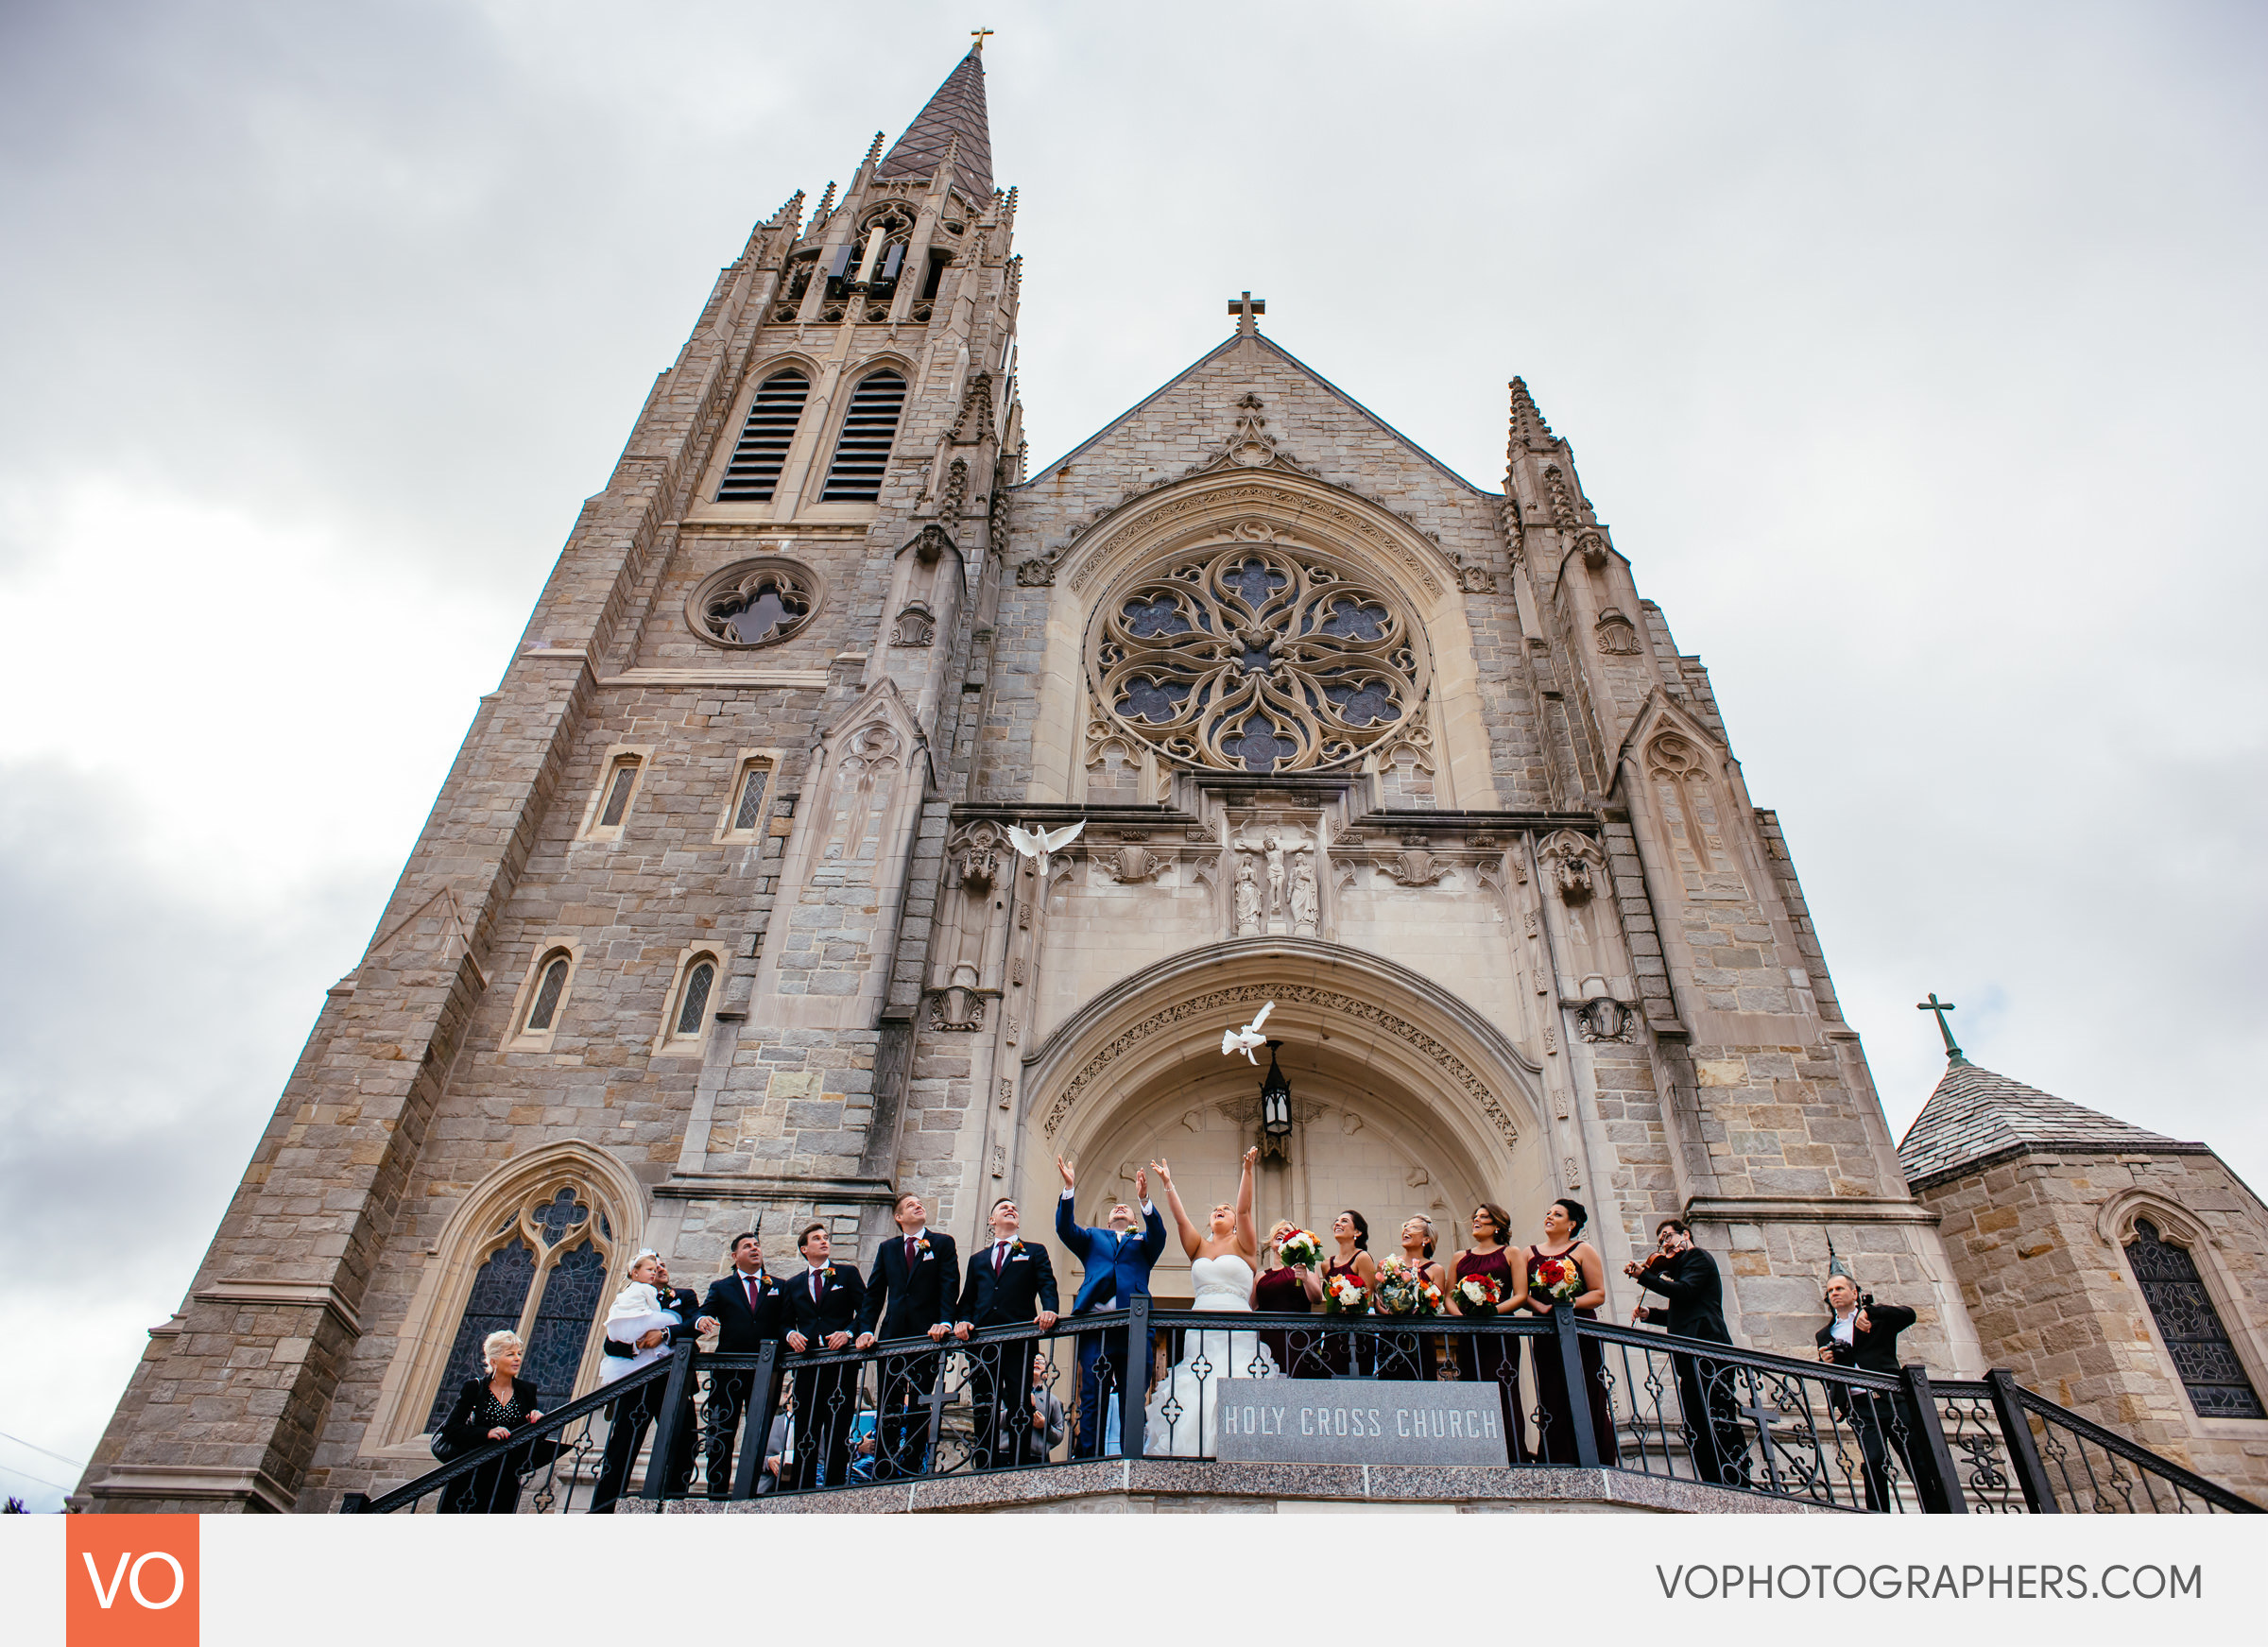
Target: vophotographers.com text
x: 1827, y: 1581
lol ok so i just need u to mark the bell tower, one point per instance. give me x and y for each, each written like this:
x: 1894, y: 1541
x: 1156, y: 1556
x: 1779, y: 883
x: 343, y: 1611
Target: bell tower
x: 635, y: 981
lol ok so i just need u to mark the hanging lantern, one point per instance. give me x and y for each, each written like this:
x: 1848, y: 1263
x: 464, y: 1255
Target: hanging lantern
x: 1276, y: 1099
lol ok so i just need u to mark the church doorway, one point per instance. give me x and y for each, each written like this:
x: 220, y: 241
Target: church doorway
x: 1404, y: 1101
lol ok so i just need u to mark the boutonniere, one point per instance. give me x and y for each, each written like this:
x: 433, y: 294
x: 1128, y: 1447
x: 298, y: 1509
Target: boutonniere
x: 921, y: 1247
x: 1016, y: 1249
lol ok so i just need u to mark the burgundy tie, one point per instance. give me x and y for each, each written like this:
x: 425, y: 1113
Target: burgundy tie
x: 816, y: 1283
x: 1000, y: 1254
x: 910, y: 1253
x: 751, y: 1283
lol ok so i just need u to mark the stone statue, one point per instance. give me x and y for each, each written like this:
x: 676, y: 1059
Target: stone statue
x: 1247, y: 900
x: 1272, y: 844
x: 1305, y: 908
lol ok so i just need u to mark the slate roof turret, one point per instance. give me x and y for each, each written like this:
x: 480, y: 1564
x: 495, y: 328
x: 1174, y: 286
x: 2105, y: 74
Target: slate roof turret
x: 1976, y: 1119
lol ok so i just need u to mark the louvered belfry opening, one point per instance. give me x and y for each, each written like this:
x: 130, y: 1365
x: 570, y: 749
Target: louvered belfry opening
x: 864, y: 447
x: 754, y: 471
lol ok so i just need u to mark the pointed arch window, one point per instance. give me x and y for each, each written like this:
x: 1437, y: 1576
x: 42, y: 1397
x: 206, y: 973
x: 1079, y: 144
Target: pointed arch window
x: 747, y: 809
x: 545, y: 1010
x: 2191, y: 1328
x: 693, y: 1001
x: 753, y: 474
x: 542, y: 1274
x: 863, y: 449
x: 619, y: 785
x: 621, y: 776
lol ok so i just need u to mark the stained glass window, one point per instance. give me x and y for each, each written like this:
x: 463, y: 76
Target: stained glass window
x: 750, y: 811
x: 547, y: 995
x: 2187, y: 1320
x: 1257, y: 657
x: 499, y: 1294
x: 562, y: 1325
x: 695, y: 1006
x: 546, y: 1279
x: 562, y: 1213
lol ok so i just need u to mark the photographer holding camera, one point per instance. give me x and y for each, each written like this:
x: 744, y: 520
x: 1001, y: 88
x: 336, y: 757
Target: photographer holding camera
x: 1864, y: 1335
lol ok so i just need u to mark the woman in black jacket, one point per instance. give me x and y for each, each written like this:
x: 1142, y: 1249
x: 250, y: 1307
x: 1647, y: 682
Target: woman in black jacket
x: 489, y: 1408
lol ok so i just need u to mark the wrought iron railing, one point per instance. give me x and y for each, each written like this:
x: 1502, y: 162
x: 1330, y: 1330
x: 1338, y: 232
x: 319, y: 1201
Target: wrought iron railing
x: 1674, y: 1408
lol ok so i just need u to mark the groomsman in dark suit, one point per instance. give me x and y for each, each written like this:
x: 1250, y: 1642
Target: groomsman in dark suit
x: 1688, y: 1278
x: 824, y: 1303
x: 641, y: 1409
x: 911, y: 1293
x: 1010, y: 1282
x: 749, y: 1311
x: 1116, y: 1265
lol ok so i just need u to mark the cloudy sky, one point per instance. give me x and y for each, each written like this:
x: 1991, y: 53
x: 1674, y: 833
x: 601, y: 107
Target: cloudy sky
x: 1911, y: 354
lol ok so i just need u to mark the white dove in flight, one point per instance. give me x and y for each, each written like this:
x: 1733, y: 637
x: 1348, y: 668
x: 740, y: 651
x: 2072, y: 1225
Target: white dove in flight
x: 1037, y: 843
x: 1244, y: 1040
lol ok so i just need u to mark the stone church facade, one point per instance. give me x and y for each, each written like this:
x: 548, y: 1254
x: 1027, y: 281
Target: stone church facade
x: 714, y: 924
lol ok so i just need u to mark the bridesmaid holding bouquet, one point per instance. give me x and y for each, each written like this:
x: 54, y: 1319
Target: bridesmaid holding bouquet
x: 1410, y: 1285
x: 1484, y: 1285
x: 1289, y: 1286
x: 1574, y: 1278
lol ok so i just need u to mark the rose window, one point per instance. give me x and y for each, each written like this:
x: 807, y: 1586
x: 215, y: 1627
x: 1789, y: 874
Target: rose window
x: 1258, y: 658
x: 753, y: 603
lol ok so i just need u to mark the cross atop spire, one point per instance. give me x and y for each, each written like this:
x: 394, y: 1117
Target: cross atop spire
x: 1244, y: 308
x: 1953, y: 1053
x: 979, y: 34
x: 955, y: 110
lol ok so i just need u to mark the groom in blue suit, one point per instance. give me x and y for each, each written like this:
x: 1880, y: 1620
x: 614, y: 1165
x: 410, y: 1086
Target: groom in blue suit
x: 1116, y: 1265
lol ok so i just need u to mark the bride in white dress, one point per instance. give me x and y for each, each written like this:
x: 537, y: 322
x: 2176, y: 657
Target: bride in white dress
x: 1180, y: 1412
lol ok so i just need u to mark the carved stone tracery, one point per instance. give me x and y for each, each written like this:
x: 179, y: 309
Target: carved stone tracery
x: 1257, y: 655
x: 753, y: 603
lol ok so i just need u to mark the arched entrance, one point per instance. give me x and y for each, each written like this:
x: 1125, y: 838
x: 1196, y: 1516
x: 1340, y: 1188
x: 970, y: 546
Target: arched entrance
x: 1404, y: 1099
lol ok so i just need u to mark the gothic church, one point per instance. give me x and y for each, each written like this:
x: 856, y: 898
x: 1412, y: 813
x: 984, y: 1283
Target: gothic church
x: 714, y: 923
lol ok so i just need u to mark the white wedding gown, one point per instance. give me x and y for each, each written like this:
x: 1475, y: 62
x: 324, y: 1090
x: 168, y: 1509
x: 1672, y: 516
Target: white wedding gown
x: 1191, y: 1390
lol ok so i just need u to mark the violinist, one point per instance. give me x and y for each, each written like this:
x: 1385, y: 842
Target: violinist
x: 1686, y: 1278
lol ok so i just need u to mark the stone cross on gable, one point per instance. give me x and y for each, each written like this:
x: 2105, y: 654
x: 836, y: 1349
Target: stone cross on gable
x: 1244, y: 308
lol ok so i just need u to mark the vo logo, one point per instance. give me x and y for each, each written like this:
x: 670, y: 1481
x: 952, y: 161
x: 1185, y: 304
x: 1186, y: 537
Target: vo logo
x: 130, y: 1581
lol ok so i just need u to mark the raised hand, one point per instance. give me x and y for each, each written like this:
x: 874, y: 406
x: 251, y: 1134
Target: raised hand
x: 1250, y: 1156
x: 1142, y: 1183
x: 1064, y: 1167
x: 1165, y: 1173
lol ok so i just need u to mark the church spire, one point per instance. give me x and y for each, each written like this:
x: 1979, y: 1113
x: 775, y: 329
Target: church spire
x: 954, y: 113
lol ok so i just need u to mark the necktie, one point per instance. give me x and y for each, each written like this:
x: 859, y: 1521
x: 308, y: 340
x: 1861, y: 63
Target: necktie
x: 1000, y: 1253
x: 816, y: 1278
x: 751, y: 1283
x: 910, y: 1253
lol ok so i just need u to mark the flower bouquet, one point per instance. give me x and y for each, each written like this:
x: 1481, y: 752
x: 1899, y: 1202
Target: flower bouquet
x: 1430, y: 1301
x: 1397, y: 1288
x: 1345, y: 1295
x: 1480, y: 1296
x: 1559, y: 1280
x: 1301, y: 1247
